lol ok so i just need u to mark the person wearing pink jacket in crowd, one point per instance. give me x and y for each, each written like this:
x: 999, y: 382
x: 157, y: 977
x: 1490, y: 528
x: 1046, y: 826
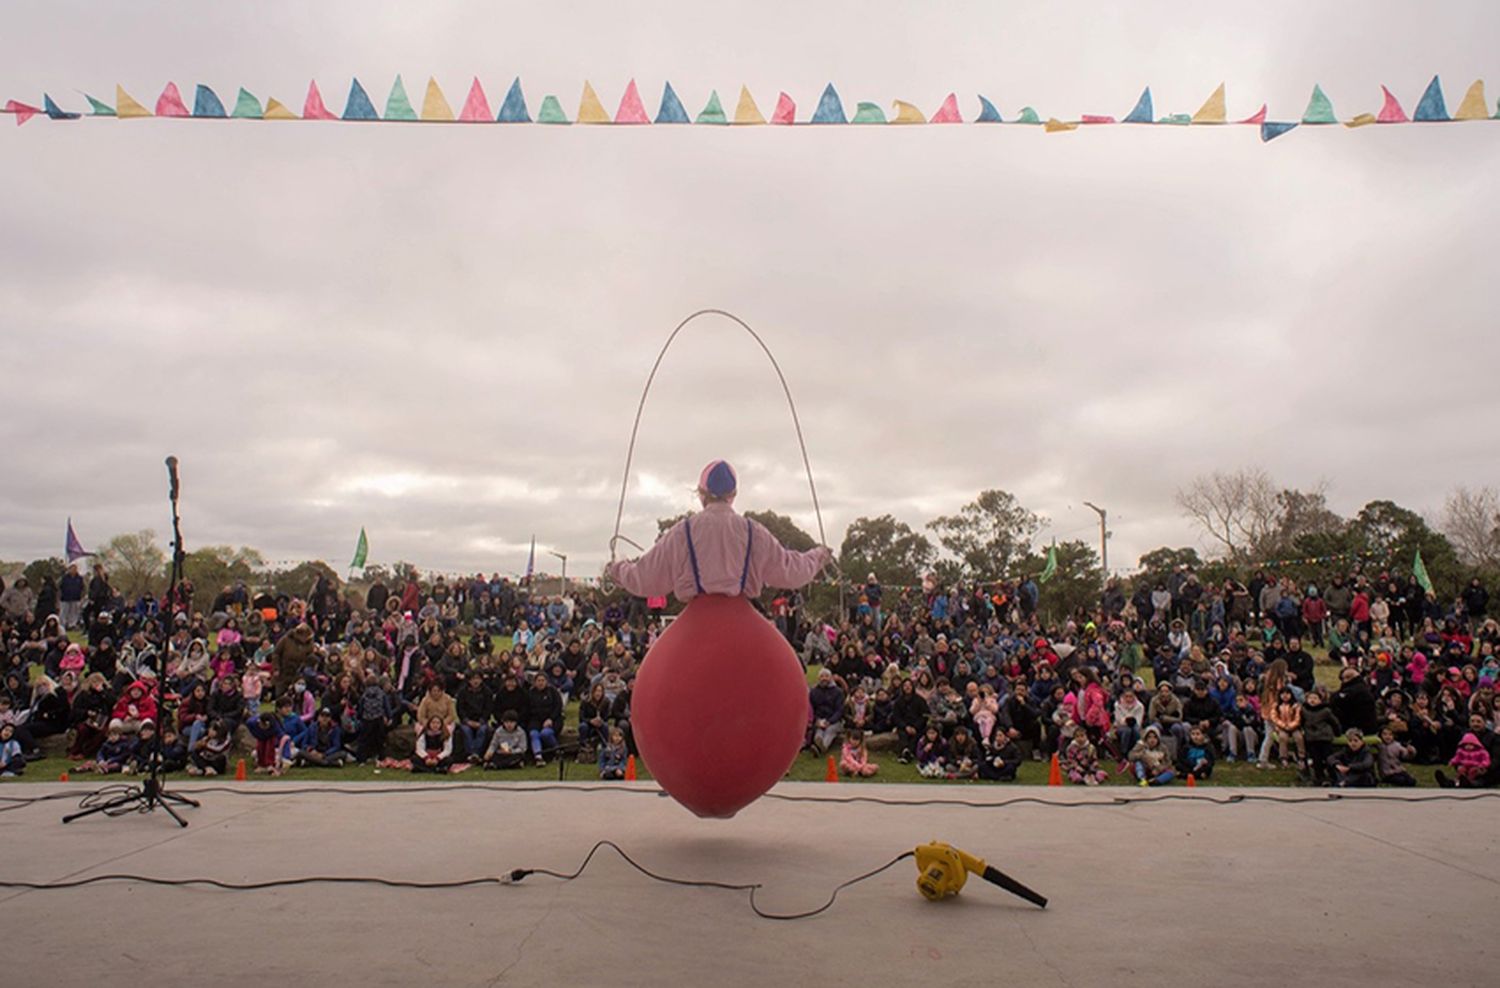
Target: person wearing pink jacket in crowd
x: 717, y: 551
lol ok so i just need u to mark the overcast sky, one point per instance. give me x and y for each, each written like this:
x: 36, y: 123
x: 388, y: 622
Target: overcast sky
x: 441, y: 333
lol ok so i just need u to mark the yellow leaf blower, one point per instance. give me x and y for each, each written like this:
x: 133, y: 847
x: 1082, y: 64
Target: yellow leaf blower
x: 942, y: 870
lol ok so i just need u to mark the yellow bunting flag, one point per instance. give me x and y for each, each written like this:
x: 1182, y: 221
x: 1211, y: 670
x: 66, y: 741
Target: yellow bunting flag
x: 1054, y: 125
x: 1364, y: 119
x: 1212, y: 111
x: 747, y: 112
x: 590, y: 110
x: 1473, y: 107
x: 127, y: 106
x: 275, y: 110
x: 906, y: 113
x: 435, y: 104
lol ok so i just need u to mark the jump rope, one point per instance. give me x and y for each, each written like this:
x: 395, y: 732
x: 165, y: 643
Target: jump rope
x: 942, y: 869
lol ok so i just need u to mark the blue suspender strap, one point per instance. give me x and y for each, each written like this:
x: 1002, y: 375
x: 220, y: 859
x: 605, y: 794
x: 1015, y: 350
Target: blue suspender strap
x: 693, y: 554
x: 749, y: 541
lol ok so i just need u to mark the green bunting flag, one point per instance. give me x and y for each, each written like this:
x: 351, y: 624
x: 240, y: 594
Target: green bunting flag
x: 1420, y: 571
x: 361, y: 551
x: 1050, y: 570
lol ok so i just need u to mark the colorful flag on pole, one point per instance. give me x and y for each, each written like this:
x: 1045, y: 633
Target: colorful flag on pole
x: 531, y: 560
x: 1420, y: 571
x: 361, y: 551
x: 73, y: 550
x: 1050, y: 570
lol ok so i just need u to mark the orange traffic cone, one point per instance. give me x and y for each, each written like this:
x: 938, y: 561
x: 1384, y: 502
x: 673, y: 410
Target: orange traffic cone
x: 833, y: 771
x: 630, y: 769
x: 63, y: 777
x: 1054, y: 774
x: 1192, y: 783
x: 239, y: 770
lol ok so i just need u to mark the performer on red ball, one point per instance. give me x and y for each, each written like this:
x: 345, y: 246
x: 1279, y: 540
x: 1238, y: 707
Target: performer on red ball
x: 718, y: 551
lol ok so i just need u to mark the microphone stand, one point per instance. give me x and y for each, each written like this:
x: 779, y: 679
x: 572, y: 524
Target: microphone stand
x: 151, y: 792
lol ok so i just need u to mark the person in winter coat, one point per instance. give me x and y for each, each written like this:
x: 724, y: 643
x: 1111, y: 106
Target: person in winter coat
x: 473, y: 709
x: 434, y: 747
x: 827, y: 702
x: 508, y: 744
x: 931, y: 752
x: 1470, y: 764
x: 1354, y: 703
x: 854, y: 757
x: 1283, y: 728
x: 1150, y: 761
x: 544, y: 717
x: 717, y: 551
x: 323, y: 744
x: 292, y: 653
x: 1354, y: 766
x: 1130, y: 717
x: 1080, y: 762
x: 136, y: 704
x: 614, y: 756
x: 1196, y: 756
x: 1319, y: 727
x: 1390, y: 760
x: 1001, y: 761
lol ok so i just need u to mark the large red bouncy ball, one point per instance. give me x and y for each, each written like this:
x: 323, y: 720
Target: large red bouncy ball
x: 719, y: 707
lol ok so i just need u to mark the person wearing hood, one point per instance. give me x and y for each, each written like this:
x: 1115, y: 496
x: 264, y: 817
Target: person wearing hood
x: 136, y: 704
x: 717, y: 551
x: 1354, y: 703
x: 291, y: 654
x: 1470, y: 765
x: 1150, y: 760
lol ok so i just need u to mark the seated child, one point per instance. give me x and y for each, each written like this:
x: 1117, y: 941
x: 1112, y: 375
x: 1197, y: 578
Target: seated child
x: 12, y: 762
x: 1390, y: 760
x: 1080, y: 762
x: 1196, y: 757
x: 145, y: 742
x: 210, y: 754
x: 116, y: 750
x: 434, y: 751
x: 323, y: 744
x: 854, y: 758
x: 508, y: 746
x: 174, y: 754
x: 1470, y: 763
x: 963, y: 754
x: 1354, y: 766
x: 613, y: 756
x: 1001, y: 761
x: 1149, y: 759
x: 932, y: 750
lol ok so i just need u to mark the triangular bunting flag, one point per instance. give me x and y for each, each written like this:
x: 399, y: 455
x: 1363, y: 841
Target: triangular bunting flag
x: 1258, y: 117
x: 55, y: 112
x: 169, y: 103
x: 1094, y: 118
x: 1143, y: 112
x: 476, y: 105
x: 73, y: 549
x: 671, y: 111
x: 590, y: 110
x: 906, y: 113
x: 513, y: 110
x: 1473, y: 107
x: 1361, y: 120
x: 127, y: 106
x: 987, y: 112
x: 206, y: 103
x: 1391, y: 112
x: 786, y: 110
x: 948, y: 112
x: 247, y: 107
x: 830, y: 108
x: 99, y: 109
x: 22, y: 111
x: 1271, y: 130
x: 398, y: 104
x: 1432, y: 108
x: 1028, y: 116
x: 1212, y: 110
x: 312, y: 107
x: 358, y: 106
x: 435, y: 105
x: 712, y: 112
x: 631, y: 111
x: 1054, y: 125
x: 1319, y: 110
x: 1176, y: 119
x: 746, y: 113
x: 870, y: 113
x: 551, y: 112
x: 276, y: 110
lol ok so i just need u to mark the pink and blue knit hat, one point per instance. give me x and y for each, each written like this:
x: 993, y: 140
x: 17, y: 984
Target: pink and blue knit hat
x: 718, y: 480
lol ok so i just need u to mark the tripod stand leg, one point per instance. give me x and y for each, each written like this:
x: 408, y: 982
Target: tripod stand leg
x: 113, y: 804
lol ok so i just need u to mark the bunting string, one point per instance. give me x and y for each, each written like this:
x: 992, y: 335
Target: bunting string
x: 829, y: 110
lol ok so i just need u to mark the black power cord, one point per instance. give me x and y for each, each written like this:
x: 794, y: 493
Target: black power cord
x: 511, y: 878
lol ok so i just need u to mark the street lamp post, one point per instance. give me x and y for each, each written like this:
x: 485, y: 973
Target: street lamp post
x: 564, y: 557
x: 1103, y: 536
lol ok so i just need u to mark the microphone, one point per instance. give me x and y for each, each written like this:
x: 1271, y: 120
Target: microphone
x: 172, y: 475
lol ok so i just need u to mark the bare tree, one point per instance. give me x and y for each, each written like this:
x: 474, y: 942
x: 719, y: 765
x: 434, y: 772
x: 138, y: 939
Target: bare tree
x: 1471, y: 520
x: 1241, y: 511
x: 135, y: 563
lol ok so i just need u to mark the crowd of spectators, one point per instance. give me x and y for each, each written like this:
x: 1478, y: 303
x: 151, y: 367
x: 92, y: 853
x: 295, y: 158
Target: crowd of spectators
x: 1164, y: 678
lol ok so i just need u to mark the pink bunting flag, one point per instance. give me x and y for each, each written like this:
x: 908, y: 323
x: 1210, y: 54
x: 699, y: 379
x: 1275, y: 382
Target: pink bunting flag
x: 948, y: 112
x: 786, y: 111
x: 1391, y: 112
x: 1091, y: 118
x: 23, y: 111
x: 631, y: 111
x: 477, y: 106
x: 313, y: 108
x: 169, y: 103
x: 1259, y: 117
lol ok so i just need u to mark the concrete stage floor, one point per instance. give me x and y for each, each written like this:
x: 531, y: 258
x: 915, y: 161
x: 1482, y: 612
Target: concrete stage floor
x: 1365, y: 891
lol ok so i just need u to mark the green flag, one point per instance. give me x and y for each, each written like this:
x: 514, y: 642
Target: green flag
x: 360, y: 551
x: 1421, y: 572
x: 1050, y: 569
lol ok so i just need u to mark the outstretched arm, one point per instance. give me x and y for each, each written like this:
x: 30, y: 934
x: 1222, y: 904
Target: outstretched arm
x: 653, y: 574
x: 781, y: 567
